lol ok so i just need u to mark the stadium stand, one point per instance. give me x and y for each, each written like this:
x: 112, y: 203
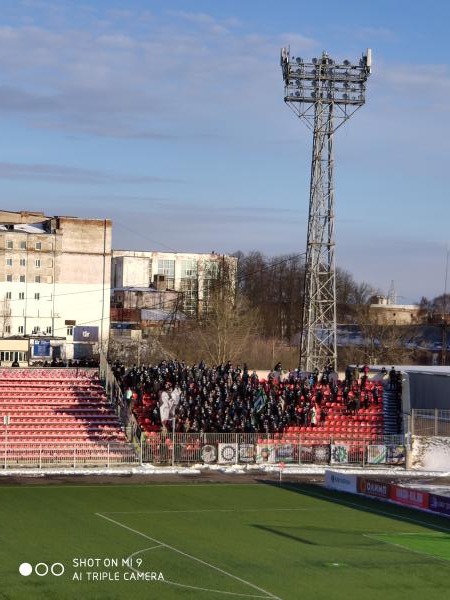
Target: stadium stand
x: 58, y: 409
x: 227, y: 399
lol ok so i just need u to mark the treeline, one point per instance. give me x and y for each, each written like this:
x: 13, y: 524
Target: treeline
x: 273, y: 286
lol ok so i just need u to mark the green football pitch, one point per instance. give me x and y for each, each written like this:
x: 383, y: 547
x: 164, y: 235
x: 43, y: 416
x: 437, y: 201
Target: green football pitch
x: 215, y: 541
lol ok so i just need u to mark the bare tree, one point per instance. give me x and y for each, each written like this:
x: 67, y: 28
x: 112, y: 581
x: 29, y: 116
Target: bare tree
x: 385, y: 343
x: 227, y: 332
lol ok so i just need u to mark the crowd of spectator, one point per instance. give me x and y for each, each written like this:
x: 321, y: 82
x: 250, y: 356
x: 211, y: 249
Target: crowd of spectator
x: 230, y: 398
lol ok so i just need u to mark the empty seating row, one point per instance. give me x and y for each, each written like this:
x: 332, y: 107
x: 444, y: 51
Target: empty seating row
x: 46, y: 406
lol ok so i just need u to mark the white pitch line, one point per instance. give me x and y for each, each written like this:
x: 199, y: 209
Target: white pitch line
x: 126, y: 485
x: 373, y: 536
x: 190, y: 586
x: 207, y: 510
x: 143, y: 550
x: 190, y: 556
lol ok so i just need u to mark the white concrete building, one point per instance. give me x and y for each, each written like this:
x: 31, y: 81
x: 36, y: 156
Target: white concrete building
x: 55, y: 275
x: 192, y: 274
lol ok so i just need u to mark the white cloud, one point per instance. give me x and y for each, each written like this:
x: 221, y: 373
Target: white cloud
x: 70, y: 174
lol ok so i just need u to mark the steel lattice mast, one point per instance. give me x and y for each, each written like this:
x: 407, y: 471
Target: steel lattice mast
x: 324, y: 94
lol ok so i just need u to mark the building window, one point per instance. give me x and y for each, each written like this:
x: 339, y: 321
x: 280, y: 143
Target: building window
x: 37, y: 263
x: 21, y: 295
x: 36, y: 329
x: 23, y: 245
x: 167, y: 268
x: 23, y: 262
x: 8, y: 295
x: 189, y: 268
x: 37, y: 279
x: 9, y: 278
x: 9, y: 355
x: 9, y: 262
x: 20, y: 329
x: 69, y: 331
x: 22, y: 278
x: 38, y: 246
x: 7, y: 328
x: 48, y: 329
x: 9, y: 245
x: 37, y: 295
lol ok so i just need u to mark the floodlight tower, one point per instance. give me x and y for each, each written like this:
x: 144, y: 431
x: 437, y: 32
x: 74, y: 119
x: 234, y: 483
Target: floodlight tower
x: 324, y: 94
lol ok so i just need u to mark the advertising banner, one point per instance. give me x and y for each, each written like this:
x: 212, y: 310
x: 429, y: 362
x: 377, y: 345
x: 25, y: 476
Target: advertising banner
x: 265, y: 453
x: 339, y: 453
x: 246, y: 453
x: 439, y: 504
x: 409, y: 496
x: 85, y: 334
x: 209, y: 454
x: 41, y: 348
x: 372, y: 487
x: 285, y: 453
x: 321, y: 454
x: 228, y: 454
x: 376, y: 454
x: 395, y: 454
x: 340, y: 481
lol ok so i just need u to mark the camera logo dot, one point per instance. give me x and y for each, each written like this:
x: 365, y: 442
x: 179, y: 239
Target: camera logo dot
x: 42, y: 569
x: 25, y: 569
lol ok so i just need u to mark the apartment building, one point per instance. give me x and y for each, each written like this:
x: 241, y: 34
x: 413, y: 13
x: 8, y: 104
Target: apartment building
x: 194, y: 275
x: 55, y: 275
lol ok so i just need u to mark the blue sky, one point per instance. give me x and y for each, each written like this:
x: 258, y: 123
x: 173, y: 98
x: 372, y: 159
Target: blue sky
x: 168, y: 117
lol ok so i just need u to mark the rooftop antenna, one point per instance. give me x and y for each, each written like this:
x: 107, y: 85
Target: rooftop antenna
x: 392, y: 295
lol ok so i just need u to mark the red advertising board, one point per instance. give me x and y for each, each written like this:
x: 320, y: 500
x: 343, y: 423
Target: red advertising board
x: 372, y: 487
x: 409, y: 496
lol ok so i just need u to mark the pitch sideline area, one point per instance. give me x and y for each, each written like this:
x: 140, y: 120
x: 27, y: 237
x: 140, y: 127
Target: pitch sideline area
x: 206, y: 541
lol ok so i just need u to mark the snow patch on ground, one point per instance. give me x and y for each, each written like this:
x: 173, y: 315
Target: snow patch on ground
x: 287, y: 470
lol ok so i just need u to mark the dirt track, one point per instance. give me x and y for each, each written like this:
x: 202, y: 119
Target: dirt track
x: 215, y: 477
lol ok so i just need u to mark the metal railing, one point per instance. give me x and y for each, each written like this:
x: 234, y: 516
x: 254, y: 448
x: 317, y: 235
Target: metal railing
x: 35, y: 455
x: 429, y: 422
x: 210, y: 448
x: 251, y: 448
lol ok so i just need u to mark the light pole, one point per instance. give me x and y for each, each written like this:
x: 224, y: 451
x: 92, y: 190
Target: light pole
x: 444, y: 314
x: 6, y: 422
x: 324, y: 94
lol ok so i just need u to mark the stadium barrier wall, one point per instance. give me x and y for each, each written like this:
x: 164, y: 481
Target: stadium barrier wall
x: 388, y: 492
